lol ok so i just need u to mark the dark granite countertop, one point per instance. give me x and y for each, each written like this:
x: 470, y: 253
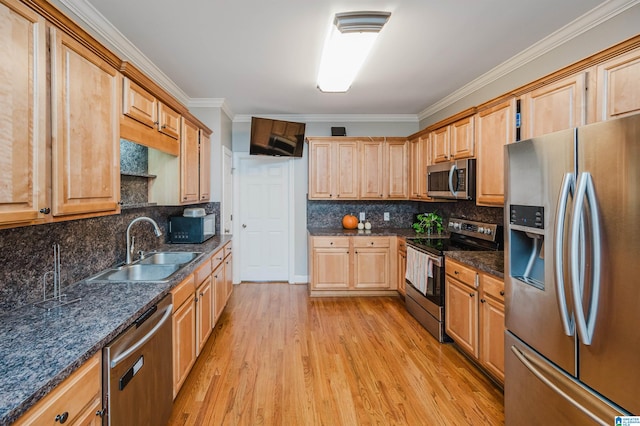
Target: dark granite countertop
x: 491, y: 262
x: 40, y: 348
x: 377, y: 232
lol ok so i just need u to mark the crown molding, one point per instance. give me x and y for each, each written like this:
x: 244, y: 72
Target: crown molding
x: 333, y: 118
x: 94, y: 20
x: 211, y: 103
x: 584, y: 23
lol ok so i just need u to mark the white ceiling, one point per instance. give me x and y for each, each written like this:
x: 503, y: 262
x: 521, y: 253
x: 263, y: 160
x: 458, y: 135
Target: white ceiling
x: 262, y: 57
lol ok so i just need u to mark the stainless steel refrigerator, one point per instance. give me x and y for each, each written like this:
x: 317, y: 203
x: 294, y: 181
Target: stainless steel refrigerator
x: 572, y: 276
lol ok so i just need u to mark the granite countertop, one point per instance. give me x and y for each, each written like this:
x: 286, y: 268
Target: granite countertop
x: 377, y: 232
x: 40, y: 348
x: 491, y: 262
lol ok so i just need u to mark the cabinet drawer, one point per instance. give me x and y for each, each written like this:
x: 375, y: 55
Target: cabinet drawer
x: 329, y: 242
x: 361, y: 242
x: 227, y: 249
x: 73, y: 396
x: 493, y: 286
x: 183, y: 291
x: 202, y: 272
x: 216, y: 259
x: 460, y: 272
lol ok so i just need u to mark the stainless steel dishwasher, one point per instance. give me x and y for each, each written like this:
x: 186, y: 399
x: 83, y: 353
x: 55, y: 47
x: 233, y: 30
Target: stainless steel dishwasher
x: 137, y: 371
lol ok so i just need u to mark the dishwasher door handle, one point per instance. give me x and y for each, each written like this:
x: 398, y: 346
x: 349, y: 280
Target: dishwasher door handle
x: 117, y: 360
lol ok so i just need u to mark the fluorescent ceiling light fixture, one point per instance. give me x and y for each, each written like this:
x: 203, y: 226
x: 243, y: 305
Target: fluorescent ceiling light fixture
x: 349, y: 42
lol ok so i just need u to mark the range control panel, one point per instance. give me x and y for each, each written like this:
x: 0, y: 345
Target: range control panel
x: 484, y: 231
x: 530, y: 216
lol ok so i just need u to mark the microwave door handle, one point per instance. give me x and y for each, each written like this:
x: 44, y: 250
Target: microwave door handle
x: 451, y: 173
x: 566, y: 190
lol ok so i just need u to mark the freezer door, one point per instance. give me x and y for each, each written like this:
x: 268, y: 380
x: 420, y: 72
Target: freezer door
x: 538, y: 393
x: 610, y: 153
x: 535, y: 170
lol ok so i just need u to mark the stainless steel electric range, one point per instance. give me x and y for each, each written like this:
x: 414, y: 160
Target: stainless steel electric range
x: 425, y: 274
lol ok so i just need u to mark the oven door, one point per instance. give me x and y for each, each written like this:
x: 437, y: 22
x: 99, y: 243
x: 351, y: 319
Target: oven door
x: 425, y: 273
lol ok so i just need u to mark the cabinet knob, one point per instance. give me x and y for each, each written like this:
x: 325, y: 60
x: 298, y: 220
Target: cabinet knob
x: 100, y: 413
x: 455, y: 272
x: 62, y: 417
x: 482, y: 300
x: 45, y: 210
x: 331, y: 243
x: 371, y: 242
x: 471, y: 295
x: 164, y: 126
x: 501, y: 292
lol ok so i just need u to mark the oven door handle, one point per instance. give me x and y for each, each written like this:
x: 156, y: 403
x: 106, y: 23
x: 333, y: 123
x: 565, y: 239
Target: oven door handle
x: 117, y: 360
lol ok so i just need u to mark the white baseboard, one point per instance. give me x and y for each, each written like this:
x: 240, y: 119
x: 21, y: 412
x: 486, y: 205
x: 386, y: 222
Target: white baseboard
x: 299, y: 279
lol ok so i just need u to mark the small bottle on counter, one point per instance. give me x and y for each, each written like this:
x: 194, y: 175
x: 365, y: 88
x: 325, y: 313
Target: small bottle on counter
x: 367, y: 225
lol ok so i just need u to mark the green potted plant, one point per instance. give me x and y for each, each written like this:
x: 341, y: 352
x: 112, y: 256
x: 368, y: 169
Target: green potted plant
x: 428, y: 223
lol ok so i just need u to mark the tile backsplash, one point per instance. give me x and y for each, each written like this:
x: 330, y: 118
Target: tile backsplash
x: 87, y: 246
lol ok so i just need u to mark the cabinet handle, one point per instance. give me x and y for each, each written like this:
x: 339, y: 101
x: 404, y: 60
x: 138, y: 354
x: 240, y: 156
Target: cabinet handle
x: 471, y: 295
x: 482, y: 300
x: 45, y: 210
x: 201, y: 294
x: 164, y: 126
x: 62, y: 417
x: 100, y: 413
x: 185, y: 198
x: 196, y: 299
x: 156, y: 123
x: 331, y: 243
x: 455, y: 272
x: 501, y: 292
x: 371, y: 242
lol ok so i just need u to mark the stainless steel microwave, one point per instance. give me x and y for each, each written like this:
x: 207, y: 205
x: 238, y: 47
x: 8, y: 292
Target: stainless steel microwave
x: 452, y: 180
x: 193, y: 230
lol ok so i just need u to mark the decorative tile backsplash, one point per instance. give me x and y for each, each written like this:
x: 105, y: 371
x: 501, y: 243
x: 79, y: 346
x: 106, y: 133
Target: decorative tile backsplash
x: 328, y: 214
x: 87, y: 246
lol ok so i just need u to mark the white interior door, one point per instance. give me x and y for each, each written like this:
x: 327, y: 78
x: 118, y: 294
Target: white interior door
x: 226, y: 220
x: 264, y: 219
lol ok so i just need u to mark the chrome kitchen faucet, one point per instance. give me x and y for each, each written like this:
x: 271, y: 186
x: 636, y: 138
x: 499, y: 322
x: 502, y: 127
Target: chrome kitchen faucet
x: 131, y: 240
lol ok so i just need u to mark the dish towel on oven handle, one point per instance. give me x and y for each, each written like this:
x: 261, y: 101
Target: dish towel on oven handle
x: 419, y: 269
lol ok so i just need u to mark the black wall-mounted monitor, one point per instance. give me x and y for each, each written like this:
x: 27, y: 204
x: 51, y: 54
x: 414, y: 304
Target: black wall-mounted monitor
x: 276, y: 137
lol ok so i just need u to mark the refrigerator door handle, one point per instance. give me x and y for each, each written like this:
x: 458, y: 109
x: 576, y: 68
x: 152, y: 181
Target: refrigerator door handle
x: 532, y: 366
x: 567, y: 189
x: 585, y: 326
x: 451, y: 173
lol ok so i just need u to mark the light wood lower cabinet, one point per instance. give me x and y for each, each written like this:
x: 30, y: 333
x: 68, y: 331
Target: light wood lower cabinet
x: 220, y: 290
x: 77, y: 400
x: 474, y: 315
x: 402, y: 265
x: 352, y: 265
x: 204, y: 312
x: 184, y: 331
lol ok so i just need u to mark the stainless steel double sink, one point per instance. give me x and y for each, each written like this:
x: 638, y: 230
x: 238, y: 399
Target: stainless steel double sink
x: 155, y: 267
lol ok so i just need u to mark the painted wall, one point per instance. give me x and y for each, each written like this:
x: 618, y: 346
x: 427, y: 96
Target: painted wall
x: 613, y: 31
x: 241, y: 134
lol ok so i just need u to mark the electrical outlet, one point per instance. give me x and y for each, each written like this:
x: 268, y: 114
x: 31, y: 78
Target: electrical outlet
x: 386, y: 216
x: 361, y: 215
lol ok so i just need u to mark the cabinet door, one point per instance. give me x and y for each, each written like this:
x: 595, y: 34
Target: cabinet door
x: 618, y: 91
x: 397, y: 169
x: 168, y: 121
x: 228, y: 277
x: 440, y: 144
x: 220, y: 291
x: 204, y: 313
x: 371, y: 268
x: 85, y: 130
x: 139, y: 104
x: 372, y: 169
x: 461, y: 315
x: 494, y: 128
x: 492, y: 324
x: 556, y: 106
x: 184, y: 342
x: 189, y: 174
x: 345, y: 172
x: 462, y: 139
x: 416, y: 173
x: 402, y: 265
x: 23, y: 96
x: 320, y: 182
x: 204, y: 161
x: 330, y: 269
x: 425, y: 146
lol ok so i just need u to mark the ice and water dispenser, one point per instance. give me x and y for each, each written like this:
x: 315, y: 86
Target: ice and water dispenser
x: 526, y: 257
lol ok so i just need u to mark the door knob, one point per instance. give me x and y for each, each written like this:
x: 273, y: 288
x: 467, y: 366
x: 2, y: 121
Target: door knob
x: 244, y: 225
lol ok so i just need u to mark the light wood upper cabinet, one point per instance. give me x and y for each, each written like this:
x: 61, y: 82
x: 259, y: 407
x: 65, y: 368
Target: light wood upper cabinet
x: 371, y: 169
x: 420, y: 155
x: 85, y: 130
x: 204, y: 165
x: 169, y: 121
x: 396, y: 168
x: 494, y: 128
x: 453, y: 142
x: 618, y: 90
x: 189, y: 174
x: 440, y: 144
x: 139, y: 104
x: 553, y: 107
x: 23, y: 109
x: 333, y: 169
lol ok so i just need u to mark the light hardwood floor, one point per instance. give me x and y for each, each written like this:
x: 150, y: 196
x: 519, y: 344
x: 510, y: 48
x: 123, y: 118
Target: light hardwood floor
x: 278, y: 357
